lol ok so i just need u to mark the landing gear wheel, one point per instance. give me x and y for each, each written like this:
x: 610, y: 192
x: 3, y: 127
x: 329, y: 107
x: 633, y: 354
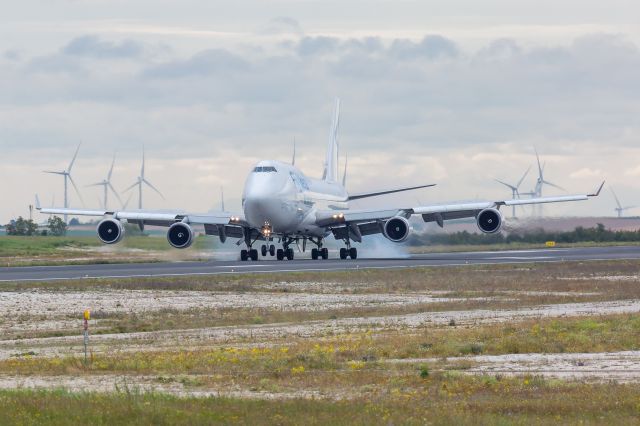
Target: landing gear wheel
x: 280, y: 254
x: 290, y: 253
x: 244, y: 255
x: 272, y: 250
x: 343, y: 253
x: 353, y: 253
x: 253, y: 254
x: 263, y: 249
x: 324, y: 253
x: 314, y: 254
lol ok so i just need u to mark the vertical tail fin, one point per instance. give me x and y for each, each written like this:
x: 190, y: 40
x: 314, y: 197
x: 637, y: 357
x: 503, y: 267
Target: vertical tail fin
x: 331, y: 162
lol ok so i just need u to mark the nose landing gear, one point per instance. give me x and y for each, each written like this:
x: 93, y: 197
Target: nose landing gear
x: 268, y: 249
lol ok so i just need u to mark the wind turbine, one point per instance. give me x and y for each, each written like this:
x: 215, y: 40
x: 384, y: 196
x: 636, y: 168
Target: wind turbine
x: 620, y: 209
x: 67, y: 176
x: 541, y: 182
x: 106, y: 184
x: 515, y: 193
x: 142, y: 180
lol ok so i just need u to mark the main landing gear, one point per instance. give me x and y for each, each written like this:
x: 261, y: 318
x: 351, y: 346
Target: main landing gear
x: 348, y: 251
x: 248, y: 254
x: 285, y: 251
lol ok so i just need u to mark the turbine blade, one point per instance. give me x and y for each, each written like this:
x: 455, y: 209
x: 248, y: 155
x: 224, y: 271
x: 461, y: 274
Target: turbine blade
x: 76, y: 188
x: 153, y: 187
x: 111, y: 169
x: 538, y: 159
x: 53, y: 173
x: 616, y: 197
x: 124, y: 206
x: 73, y: 160
x: 132, y: 186
x: 142, y: 169
x: 506, y: 184
x: 114, y: 192
x: 522, y: 178
x: 97, y: 184
x: 553, y: 185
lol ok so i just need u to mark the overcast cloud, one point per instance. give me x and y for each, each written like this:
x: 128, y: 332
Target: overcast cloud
x: 431, y: 102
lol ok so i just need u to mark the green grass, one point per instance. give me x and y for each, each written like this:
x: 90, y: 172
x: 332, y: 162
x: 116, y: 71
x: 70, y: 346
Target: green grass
x: 437, y: 399
x: 29, y: 246
x: 439, y: 248
x: 336, y: 353
x: 72, y: 250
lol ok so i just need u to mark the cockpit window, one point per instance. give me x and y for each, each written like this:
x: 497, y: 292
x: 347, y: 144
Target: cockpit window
x: 265, y: 169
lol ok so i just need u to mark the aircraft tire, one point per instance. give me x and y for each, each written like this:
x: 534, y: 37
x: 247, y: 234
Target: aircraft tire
x: 343, y: 253
x: 325, y: 253
x: 263, y: 251
x: 253, y: 254
x: 272, y: 250
x: 244, y: 255
x: 280, y: 254
x: 353, y: 253
x: 314, y: 254
x: 290, y: 254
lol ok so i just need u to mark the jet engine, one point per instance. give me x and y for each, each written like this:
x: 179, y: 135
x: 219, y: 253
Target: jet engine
x: 489, y: 221
x: 110, y: 231
x: 180, y: 235
x: 396, y: 229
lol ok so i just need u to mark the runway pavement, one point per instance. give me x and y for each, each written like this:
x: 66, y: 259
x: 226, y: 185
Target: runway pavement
x: 130, y: 270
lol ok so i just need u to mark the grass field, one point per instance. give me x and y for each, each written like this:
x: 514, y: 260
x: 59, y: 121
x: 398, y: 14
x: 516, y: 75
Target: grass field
x: 507, y: 344
x: 38, y: 250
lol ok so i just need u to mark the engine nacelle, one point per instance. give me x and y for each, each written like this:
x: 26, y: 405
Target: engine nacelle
x: 396, y: 229
x: 110, y: 231
x: 489, y: 221
x: 180, y: 235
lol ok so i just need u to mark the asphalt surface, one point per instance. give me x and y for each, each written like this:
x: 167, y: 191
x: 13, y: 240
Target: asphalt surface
x: 131, y: 270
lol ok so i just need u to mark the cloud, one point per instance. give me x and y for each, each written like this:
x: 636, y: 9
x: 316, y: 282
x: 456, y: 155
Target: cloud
x: 587, y: 173
x: 447, y: 113
x: 282, y: 25
x: 431, y: 47
x: 633, y: 172
x: 206, y: 63
x: 93, y: 46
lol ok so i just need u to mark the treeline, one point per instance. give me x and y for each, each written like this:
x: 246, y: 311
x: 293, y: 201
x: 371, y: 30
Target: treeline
x: 538, y: 236
x: 27, y: 227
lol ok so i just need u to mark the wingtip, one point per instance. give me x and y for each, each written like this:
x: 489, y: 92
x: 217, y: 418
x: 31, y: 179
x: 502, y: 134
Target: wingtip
x: 595, y: 194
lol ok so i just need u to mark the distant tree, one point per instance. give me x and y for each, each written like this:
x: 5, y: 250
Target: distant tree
x: 21, y: 226
x: 133, y: 230
x: 57, y: 227
x: 74, y: 222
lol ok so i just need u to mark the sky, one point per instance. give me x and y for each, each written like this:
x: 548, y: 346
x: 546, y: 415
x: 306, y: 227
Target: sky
x: 456, y: 93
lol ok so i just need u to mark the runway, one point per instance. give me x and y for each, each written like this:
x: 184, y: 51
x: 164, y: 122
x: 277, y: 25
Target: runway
x: 133, y: 270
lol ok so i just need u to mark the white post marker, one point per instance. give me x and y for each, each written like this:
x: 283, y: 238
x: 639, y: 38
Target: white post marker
x: 87, y: 317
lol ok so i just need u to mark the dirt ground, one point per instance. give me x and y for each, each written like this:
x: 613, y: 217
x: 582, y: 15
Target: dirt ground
x: 45, y: 323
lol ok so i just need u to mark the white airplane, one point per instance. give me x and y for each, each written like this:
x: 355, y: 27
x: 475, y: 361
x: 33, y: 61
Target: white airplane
x: 280, y: 203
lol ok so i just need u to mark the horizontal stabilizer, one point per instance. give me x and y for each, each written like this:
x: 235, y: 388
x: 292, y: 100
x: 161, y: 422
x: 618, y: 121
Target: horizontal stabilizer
x: 390, y: 191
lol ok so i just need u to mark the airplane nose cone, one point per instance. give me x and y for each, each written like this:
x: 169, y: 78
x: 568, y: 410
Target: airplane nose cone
x: 265, y: 203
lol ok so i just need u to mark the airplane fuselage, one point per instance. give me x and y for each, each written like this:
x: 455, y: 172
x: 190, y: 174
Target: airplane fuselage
x: 278, y: 197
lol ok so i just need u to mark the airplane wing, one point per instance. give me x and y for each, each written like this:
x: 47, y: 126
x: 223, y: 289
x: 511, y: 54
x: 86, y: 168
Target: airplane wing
x: 357, y: 223
x: 222, y: 224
